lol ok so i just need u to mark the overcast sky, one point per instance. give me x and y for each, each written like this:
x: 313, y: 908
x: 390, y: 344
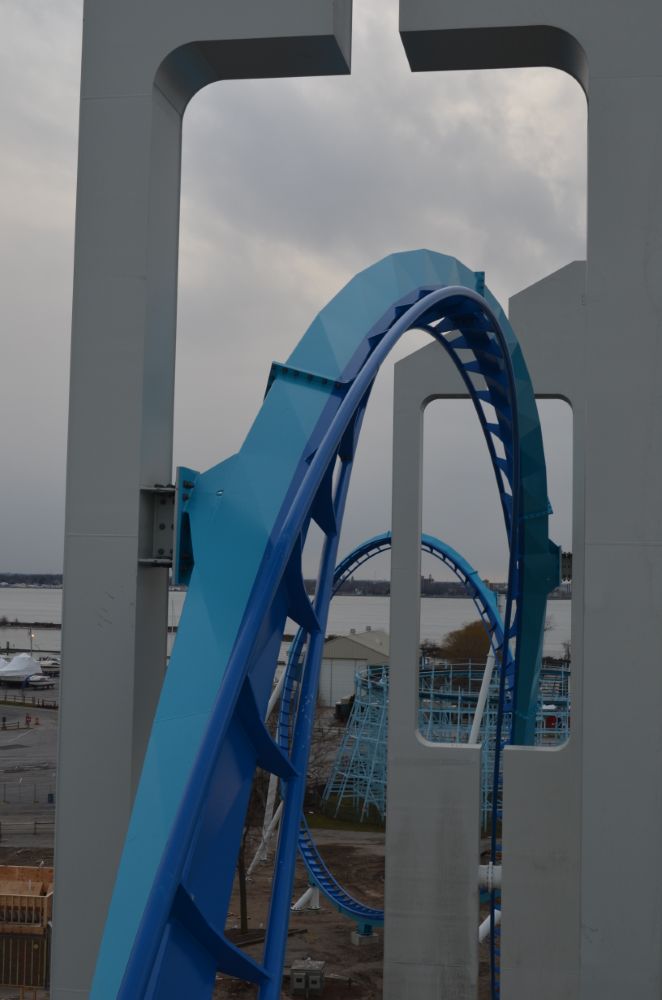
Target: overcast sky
x: 289, y: 187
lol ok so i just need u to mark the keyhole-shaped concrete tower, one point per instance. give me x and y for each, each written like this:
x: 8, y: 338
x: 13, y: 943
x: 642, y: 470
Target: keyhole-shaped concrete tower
x: 583, y: 826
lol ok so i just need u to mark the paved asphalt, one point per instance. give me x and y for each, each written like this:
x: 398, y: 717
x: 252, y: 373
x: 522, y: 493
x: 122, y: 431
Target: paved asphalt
x: 27, y: 772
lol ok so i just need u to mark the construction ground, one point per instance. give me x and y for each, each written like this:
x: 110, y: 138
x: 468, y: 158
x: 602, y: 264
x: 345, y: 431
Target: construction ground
x: 355, y: 855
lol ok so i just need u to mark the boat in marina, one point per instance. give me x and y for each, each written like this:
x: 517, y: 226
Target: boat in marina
x: 23, y: 671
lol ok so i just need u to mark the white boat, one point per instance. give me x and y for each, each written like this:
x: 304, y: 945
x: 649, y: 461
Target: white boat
x: 23, y: 671
x: 50, y: 664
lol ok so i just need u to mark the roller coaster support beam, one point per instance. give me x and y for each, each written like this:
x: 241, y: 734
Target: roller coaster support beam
x: 142, y: 63
x: 310, y: 900
x: 483, y: 694
x: 612, y: 49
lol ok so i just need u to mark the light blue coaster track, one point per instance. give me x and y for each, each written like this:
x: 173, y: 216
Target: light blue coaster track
x: 486, y: 605
x: 243, y: 526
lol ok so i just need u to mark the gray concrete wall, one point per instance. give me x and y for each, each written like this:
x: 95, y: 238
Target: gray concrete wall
x: 142, y: 62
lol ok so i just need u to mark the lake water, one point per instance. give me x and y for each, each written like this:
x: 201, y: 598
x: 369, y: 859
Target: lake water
x: 439, y: 616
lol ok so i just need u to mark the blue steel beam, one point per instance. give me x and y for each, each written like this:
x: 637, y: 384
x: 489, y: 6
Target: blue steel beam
x: 248, y: 518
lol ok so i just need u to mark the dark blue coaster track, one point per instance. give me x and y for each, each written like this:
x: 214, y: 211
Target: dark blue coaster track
x: 486, y: 605
x: 243, y: 527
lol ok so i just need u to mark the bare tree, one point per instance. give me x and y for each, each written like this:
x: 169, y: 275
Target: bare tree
x: 251, y: 834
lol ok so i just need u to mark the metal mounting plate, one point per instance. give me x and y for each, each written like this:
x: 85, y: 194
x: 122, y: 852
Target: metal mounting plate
x: 157, y: 525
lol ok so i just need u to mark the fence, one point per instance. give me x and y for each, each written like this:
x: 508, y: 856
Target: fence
x: 34, y: 911
x: 24, y: 961
x: 10, y: 828
x: 28, y: 793
x: 26, y: 912
x: 27, y: 700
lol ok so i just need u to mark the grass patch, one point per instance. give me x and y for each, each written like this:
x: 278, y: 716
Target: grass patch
x: 318, y: 821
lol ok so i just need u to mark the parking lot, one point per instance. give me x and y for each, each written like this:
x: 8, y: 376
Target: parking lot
x: 28, y: 750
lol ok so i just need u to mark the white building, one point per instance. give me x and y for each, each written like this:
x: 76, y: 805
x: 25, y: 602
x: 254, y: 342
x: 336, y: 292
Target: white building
x: 343, y: 656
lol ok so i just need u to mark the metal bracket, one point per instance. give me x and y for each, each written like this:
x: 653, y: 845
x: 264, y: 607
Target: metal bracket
x: 157, y: 525
x: 292, y: 374
x: 182, y: 563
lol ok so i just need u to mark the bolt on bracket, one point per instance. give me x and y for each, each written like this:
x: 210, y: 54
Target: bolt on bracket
x: 157, y: 525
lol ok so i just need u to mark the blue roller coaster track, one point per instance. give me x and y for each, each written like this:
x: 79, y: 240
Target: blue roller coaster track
x: 486, y: 605
x: 242, y: 529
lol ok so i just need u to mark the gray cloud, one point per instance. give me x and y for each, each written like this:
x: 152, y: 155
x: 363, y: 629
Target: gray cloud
x: 289, y: 188
x: 39, y: 74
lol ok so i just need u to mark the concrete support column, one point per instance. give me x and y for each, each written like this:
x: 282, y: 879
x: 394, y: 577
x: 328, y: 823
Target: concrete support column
x: 142, y: 62
x: 622, y: 807
x: 541, y: 831
x: 540, y: 944
x: 433, y: 817
x: 613, y: 51
x: 120, y: 439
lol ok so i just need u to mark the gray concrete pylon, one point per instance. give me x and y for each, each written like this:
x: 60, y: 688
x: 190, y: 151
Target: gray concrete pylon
x: 433, y: 815
x: 541, y: 933
x: 430, y: 934
x: 612, y: 48
x: 142, y: 63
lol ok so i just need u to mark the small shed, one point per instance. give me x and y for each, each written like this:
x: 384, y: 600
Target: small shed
x: 307, y: 978
x: 345, y: 654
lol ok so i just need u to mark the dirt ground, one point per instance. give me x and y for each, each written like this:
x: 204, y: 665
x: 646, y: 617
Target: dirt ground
x: 26, y: 856
x: 357, y: 861
x: 356, y: 857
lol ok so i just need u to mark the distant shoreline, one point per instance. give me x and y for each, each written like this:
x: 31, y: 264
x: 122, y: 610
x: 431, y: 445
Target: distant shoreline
x: 381, y: 590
